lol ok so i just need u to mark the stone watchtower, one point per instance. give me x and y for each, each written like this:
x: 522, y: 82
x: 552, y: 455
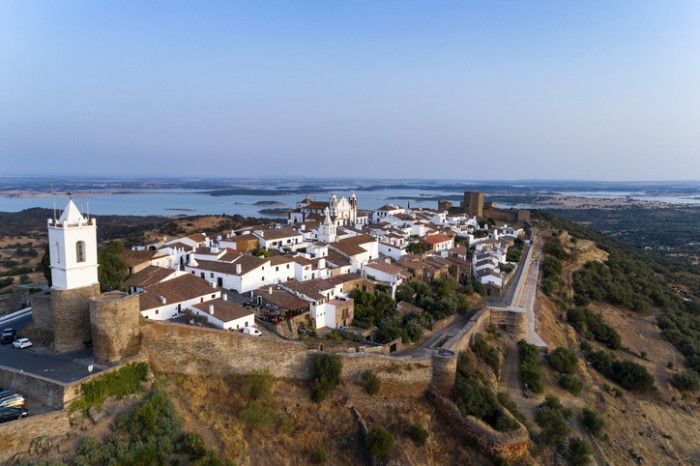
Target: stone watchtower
x: 115, y: 320
x: 473, y: 203
x: 73, y: 253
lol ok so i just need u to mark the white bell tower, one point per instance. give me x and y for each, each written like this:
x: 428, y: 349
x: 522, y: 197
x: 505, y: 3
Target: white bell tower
x: 73, y: 249
x: 327, y: 232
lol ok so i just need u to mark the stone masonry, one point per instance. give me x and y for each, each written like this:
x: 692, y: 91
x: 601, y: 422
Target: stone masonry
x: 115, y: 321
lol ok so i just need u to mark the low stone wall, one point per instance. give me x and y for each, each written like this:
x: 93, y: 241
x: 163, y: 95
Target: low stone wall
x: 35, y: 435
x: 511, y: 446
x: 414, y: 372
x: 201, y: 351
x: 462, y: 339
x: 35, y: 387
x: 442, y: 323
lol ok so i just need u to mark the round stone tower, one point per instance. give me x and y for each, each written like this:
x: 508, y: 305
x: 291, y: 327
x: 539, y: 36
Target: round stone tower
x: 115, y: 321
x: 444, y: 371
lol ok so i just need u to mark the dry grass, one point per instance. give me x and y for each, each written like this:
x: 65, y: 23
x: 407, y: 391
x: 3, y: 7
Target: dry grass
x: 211, y: 406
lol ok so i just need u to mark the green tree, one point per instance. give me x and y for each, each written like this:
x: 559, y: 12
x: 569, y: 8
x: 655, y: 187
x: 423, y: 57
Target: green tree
x: 593, y: 421
x: 327, y: 369
x: 551, y: 417
x: 563, y: 360
x: 418, y: 434
x: 46, y: 266
x: 578, y: 452
x: 371, y: 382
x: 379, y: 443
x: 687, y: 381
x: 113, y: 268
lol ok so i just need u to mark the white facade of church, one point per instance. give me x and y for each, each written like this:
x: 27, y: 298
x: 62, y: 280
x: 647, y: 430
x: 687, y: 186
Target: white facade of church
x: 73, y: 249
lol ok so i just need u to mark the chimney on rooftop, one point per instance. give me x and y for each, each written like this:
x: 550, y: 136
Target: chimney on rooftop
x: 211, y: 309
x: 269, y: 290
x: 224, y: 296
x: 162, y: 299
x: 239, y: 269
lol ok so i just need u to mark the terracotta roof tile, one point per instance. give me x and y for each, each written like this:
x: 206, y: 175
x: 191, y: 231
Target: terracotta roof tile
x: 225, y: 311
x: 176, y: 290
x: 149, y: 276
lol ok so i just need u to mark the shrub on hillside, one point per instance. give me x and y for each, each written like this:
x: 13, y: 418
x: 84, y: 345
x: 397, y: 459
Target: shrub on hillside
x: 593, y: 421
x: 327, y: 369
x: 379, y: 443
x: 320, y: 456
x: 418, y: 434
x: 578, y: 452
x: 530, y: 371
x: 124, y: 381
x: 687, y: 381
x: 551, y: 417
x: 628, y: 374
x: 258, y: 384
x: 563, y: 360
x: 370, y: 382
x: 585, y: 321
x: 486, y: 352
x: 571, y: 383
x: 474, y: 399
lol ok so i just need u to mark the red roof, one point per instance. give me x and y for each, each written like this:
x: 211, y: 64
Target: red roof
x: 436, y: 239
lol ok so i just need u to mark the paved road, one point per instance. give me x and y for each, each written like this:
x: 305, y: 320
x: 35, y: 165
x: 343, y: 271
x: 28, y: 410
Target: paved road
x: 425, y: 346
x: 528, y: 292
x: 66, y: 367
x: 507, y: 297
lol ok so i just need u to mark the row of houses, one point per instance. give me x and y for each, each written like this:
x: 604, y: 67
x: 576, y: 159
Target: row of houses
x: 309, y: 266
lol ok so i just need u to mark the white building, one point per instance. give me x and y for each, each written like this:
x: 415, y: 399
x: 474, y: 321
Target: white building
x: 168, y: 299
x: 225, y: 314
x: 358, y: 250
x: 73, y: 249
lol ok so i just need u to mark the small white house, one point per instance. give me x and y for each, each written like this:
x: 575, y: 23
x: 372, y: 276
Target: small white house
x: 168, y: 299
x: 225, y: 314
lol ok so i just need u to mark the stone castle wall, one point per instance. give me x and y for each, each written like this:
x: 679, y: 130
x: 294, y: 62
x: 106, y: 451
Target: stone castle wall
x: 34, y: 387
x: 411, y: 374
x: 511, y: 446
x: 201, y: 351
x: 115, y: 322
x: 41, y: 310
x: 71, y: 317
x: 34, y: 435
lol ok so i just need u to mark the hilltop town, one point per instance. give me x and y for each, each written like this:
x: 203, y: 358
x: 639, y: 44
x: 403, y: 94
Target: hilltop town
x: 415, y: 325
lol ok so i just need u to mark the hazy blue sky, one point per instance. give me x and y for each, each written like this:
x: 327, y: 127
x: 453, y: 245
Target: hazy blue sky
x: 496, y: 89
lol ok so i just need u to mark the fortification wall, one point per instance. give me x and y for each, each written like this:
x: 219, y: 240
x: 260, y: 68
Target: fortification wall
x: 201, y: 351
x: 71, y: 317
x: 115, y: 322
x: 35, y: 387
x: 41, y: 310
x: 514, y: 321
x: 511, y: 446
x: 462, y: 339
x: 413, y: 374
x: 35, y: 435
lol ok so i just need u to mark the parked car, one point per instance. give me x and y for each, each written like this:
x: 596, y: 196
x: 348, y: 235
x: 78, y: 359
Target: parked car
x: 251, y: 331
x: 13, y: 401
x: 22, y: 343
x: 10, y: 414
x: 8, y: 336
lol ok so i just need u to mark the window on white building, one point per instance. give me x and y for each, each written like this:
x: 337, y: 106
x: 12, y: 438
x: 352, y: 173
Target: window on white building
x: 80, y: 251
